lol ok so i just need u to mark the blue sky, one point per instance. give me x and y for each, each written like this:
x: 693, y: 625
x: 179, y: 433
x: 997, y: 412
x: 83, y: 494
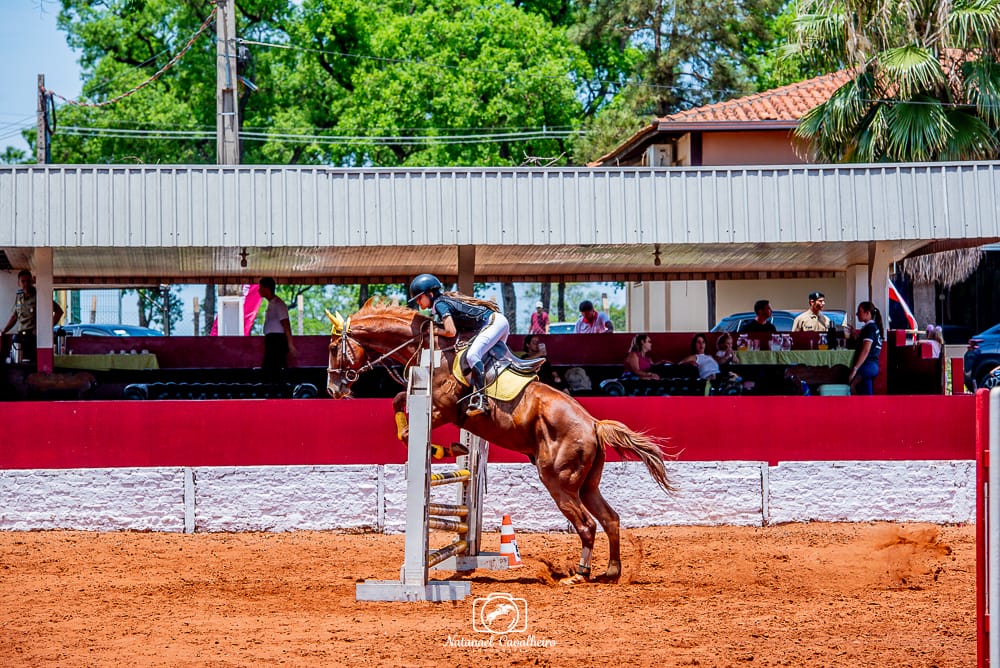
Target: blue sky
x: 31, y: 45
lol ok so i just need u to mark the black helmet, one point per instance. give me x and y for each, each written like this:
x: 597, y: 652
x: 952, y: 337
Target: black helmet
x: 425, y: 283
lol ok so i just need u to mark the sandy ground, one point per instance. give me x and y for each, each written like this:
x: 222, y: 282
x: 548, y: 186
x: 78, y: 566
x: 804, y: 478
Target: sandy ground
x: 790, y: 595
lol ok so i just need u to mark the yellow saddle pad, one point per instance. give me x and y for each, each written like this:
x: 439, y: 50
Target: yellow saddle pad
x: 505, y: 387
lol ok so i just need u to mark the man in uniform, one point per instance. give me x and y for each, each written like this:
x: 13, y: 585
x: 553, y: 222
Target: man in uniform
x: 25, y: 306
x: 812, y: 320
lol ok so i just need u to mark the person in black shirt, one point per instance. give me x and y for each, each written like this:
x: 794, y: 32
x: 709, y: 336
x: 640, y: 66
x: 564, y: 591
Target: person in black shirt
x: 461, y: 314
x: 762, y: 309
x: 866, y: 360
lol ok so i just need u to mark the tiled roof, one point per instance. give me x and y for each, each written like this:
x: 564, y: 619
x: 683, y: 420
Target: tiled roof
x: 787, y: 103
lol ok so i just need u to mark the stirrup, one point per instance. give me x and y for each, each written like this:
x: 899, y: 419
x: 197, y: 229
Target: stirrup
x: 477, y: 403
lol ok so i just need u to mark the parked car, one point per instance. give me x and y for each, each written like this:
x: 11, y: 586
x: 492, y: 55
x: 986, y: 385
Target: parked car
x: 982, y: 357
x: 562, y: 327
x: 86, y: 329
x: 782, y: 320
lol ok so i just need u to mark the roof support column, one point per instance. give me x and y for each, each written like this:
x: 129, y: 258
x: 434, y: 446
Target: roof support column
x: 43, y: 312
x: 466, y: 269
x: 880, y: 259
x: 857, y: 289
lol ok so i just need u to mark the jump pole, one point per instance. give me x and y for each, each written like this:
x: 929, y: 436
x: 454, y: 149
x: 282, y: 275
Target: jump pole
x: 463, y: 554
x: 987, y: 526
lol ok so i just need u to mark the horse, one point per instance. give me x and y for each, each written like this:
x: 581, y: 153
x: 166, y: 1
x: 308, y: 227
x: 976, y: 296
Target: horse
x: 564, y: 442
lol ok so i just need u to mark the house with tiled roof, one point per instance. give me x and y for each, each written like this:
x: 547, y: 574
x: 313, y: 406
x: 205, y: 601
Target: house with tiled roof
x: 752, y: 130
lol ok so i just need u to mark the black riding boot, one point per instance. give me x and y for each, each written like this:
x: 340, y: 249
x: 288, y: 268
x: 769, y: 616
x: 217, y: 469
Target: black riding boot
x: 477, y: 400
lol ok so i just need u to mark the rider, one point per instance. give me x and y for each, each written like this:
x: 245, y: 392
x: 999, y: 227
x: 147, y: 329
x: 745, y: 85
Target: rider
x: 461, y: 314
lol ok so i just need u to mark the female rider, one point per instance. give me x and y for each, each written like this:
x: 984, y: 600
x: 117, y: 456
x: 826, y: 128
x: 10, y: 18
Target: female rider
x: 463, y: 314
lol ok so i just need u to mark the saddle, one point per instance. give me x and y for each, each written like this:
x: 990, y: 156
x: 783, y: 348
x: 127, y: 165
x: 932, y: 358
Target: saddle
x: 506, y: 374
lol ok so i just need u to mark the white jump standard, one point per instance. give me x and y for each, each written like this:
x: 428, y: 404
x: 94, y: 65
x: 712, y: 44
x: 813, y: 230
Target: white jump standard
x: 464, y: 517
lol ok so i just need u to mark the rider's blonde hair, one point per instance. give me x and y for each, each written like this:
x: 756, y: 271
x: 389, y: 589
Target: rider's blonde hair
x: 485, y: 303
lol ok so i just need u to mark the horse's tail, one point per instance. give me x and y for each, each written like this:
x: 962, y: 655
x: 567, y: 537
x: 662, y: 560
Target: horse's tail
x: 646, y: 448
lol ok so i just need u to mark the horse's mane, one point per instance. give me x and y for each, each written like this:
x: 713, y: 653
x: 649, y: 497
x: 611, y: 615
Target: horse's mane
x: 375, y: 308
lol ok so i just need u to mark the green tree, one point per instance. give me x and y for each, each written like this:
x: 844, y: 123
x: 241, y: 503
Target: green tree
x: 404, y: 79
x: 13, y: 156
x: 151, y: 303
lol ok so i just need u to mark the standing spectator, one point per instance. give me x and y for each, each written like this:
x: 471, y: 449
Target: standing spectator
x: 278, y: 342
x: 592, y: 321
x: 762, y: 314
x: 539, y: 320
x: 25, y: 306
x: 812, y: 320
x: 865, y: 367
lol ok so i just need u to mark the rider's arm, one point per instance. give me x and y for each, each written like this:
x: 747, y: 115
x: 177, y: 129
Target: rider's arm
x: 448, y: 327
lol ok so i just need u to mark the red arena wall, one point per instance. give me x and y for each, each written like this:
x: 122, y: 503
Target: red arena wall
x: 93, y: 434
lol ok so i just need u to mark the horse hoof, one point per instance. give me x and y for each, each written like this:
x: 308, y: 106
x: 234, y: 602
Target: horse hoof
x: 572, y: 580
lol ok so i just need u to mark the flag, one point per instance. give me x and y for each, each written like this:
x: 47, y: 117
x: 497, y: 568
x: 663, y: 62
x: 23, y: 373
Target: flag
x: 894, y: 296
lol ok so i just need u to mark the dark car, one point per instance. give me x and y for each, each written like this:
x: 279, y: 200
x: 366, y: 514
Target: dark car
x: 782, y: 320
x: 84, y: 329
x: 982, y: 357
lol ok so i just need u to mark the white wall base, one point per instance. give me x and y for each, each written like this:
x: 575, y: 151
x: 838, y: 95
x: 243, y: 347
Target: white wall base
x: 288, y: 498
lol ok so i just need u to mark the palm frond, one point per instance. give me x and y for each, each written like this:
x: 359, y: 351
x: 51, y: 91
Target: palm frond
x: 870, y: 144
x: 982, y: 85
x: 972, y: 138
x: 972, y: 22
x: 918, y: 130
x: 914, y: 68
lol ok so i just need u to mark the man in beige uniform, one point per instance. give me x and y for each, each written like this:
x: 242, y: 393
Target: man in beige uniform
x: 812, y: 320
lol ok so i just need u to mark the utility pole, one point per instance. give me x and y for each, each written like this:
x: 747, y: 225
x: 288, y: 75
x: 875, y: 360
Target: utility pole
x: 43, y: 154
x: 227, y: 108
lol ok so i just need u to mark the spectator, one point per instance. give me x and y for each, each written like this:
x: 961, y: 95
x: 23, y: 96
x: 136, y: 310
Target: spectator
x: 591, y: 321
x: 25, y: 307
x: 278, y: 342
x: 935, y: 340
x: 533, y: 349
x: 762, y: 314
x: 539, y: 320
x: 708, y: 368
x: 638, y: 363
x: 724, y: 353
x: 866, y: 367
x: 812, y: 320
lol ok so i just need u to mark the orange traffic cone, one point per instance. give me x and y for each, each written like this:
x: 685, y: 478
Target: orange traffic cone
x: 508, y: 543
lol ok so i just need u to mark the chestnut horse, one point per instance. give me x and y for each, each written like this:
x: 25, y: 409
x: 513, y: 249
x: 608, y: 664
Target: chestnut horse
x: 564, y: 442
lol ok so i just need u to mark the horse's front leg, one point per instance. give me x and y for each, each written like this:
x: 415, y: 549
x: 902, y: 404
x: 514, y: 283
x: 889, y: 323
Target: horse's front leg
x: 402, y: 423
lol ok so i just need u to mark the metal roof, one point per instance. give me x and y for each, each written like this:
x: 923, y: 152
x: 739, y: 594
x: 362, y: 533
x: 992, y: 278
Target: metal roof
x: 136, y: 224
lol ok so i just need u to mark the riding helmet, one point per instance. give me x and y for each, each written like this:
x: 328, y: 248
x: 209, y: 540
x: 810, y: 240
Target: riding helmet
x: 425, y: 283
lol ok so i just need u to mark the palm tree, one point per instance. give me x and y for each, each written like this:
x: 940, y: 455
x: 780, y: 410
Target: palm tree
x: 926, y: 82
x: 925, y: 87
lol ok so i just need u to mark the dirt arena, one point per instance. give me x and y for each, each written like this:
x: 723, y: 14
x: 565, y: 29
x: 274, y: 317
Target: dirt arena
x: 789, y: 595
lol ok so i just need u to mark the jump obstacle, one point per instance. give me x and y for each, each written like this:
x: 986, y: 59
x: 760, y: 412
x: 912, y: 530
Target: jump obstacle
x: 464, y: 517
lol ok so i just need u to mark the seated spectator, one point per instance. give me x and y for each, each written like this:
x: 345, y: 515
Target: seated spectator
x: 724, y: 353
x: 708, y: 368
x: 534, y: 348
x: 935, y: 340
x: 637, y: 362
x: 762, y: 314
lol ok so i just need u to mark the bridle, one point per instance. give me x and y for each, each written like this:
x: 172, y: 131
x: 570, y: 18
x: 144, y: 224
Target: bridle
x: 347, y: 359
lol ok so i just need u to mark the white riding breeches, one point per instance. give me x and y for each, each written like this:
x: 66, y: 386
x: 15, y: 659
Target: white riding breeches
x: 488, y: 337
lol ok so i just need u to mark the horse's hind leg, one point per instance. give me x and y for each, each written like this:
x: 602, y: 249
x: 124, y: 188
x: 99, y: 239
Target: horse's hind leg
x: 590, y: 493
x: 569, y: 502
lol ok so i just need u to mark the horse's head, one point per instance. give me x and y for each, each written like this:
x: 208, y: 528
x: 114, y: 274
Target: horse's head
x: 377, y: 335
x: 347, y: 357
